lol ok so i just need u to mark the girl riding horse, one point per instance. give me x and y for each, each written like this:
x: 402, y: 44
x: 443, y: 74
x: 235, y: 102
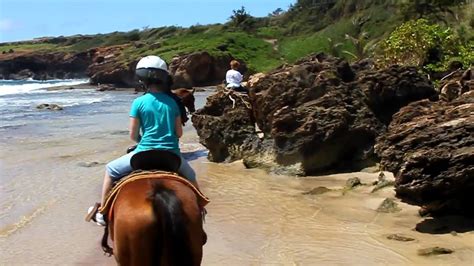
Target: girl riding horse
x: 154, y: 221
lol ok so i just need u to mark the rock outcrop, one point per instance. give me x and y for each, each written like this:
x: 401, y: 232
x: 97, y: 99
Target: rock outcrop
x: 225, y: 128
x: 199, y: 69
x: 429, y: 147
x: 106, y: 65
x: 107, y: 68
x: 455, y: 84
x: 318, y: 115
x: 49, y: 106
x: 42, y: 66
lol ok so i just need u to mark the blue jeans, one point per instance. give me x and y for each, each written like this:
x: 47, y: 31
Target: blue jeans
x: 121, y: 167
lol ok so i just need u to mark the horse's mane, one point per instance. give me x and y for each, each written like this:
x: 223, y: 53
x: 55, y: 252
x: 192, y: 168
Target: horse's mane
x: 174, y: 234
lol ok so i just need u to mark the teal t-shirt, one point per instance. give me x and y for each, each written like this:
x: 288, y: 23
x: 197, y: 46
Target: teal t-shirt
x: 157, y: 113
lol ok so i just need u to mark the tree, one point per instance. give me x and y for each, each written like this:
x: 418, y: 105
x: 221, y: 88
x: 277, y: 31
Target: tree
x: 240, y: 18
x: 423, y: 8
x: 276, y: 12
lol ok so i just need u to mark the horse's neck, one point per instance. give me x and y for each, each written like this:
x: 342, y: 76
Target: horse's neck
x: 187, y: 97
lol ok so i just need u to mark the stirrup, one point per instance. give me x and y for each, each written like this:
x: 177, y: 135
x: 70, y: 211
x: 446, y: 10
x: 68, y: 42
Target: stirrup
x: 91, y: 213
x: 203, y: 214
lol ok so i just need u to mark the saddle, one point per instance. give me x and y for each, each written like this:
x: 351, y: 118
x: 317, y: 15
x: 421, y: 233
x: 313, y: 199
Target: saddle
x: 146, y: 165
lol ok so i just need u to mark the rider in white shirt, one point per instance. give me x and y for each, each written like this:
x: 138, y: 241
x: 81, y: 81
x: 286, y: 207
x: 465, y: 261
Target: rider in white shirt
x: 233, y: 77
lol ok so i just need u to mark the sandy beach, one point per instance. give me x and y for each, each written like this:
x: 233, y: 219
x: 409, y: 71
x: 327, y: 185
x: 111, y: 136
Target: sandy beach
x: 51, y: 172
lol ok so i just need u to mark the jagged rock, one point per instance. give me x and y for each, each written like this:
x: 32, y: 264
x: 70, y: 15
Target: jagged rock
x: 315, y: 116
x: 23, y: 65
x: 390, y: 89
x: 388, y: 206
x: 399, y: 237
x: 199, y: 69
x: 382, y: 182
x: 455, y: 84
x: 109, y: 69
x: 47, y: 106
x: 317, y: 191
x: 107, y: 65
x: 225, y: 128
x: 429, y: 147
x: 106, y: 87
x: 352, y: 183
x: 434, y: 251
x: 22, y: 74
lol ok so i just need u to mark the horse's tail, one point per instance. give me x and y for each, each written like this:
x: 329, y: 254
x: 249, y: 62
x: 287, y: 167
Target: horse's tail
x: 173, y: 235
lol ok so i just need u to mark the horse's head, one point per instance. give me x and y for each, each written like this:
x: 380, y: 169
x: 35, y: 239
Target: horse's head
x: 187, y: 98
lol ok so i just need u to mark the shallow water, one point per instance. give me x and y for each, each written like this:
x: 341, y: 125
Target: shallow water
x: 254, y: 218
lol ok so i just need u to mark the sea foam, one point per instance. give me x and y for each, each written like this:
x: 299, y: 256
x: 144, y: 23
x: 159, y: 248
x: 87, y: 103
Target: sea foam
x: 9, y: 87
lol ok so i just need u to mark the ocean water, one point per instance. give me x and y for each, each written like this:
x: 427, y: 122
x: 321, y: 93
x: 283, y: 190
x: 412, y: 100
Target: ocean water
x: 19, y: 99
x: 44, y: 154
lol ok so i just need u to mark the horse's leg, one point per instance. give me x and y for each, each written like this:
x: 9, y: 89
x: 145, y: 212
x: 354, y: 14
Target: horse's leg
x: 135, y: 227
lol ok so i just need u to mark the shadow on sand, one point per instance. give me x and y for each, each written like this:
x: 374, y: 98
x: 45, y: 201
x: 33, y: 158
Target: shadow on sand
x: 194, y: 155
x: 446, y: 225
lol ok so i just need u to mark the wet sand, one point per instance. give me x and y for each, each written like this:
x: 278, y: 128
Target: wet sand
x: 254, y: 218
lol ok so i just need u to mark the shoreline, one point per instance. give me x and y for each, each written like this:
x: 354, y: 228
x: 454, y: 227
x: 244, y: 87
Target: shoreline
x: 108, y: 87
x: 87, y: 86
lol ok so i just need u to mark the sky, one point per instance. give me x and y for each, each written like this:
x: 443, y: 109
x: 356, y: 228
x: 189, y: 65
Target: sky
x: 28, y: 19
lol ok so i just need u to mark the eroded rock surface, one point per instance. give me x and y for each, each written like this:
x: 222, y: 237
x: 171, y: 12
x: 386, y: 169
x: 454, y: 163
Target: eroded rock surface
x: 455, y: 84
x: 107, y: 67
x: 199, y: 69
x: 49, y: 106
x: 224, y: 127
x: 318, y: 115
x: 43, y: 66
x: 429, y: 147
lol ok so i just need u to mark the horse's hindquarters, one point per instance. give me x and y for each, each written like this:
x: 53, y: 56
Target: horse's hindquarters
x: 157, y: 221
x: 134, y: 225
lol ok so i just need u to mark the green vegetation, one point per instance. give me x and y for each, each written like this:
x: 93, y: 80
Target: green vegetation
x: 432, y: 46
x: 27, y: 46
x: 353, y: 29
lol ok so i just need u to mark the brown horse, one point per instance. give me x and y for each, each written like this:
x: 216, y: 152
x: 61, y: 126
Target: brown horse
x: 155, y: 217
x: 187, y: 98
x: 156, y: 222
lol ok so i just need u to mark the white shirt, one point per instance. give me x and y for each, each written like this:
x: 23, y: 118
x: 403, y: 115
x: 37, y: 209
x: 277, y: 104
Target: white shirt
x: 233, y: 78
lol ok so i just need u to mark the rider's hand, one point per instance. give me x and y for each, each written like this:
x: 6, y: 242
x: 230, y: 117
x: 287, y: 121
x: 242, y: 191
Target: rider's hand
x: 131, y: 148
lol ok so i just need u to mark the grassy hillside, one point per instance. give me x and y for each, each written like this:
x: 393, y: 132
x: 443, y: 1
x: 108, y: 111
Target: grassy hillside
x: 347, y: 28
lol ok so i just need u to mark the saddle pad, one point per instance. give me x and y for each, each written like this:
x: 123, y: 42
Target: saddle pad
x: 137, y: 175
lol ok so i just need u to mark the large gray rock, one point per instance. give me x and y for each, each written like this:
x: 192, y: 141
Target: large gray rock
x: 429, y: 147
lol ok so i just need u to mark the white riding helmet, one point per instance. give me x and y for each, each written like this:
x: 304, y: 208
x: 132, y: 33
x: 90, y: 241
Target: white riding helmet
x: 152, y: 69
